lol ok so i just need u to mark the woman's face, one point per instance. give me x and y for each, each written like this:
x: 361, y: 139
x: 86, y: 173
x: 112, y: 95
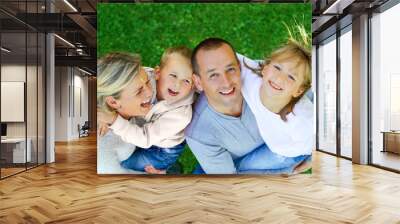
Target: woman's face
x: 135, y: 98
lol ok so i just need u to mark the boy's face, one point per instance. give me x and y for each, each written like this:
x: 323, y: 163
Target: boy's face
x: 174, y: 79
x: 283, y: 79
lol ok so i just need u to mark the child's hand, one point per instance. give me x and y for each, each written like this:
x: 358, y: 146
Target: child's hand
x: 106, y: 118
x: 151, y: 170
x: 103, y: 129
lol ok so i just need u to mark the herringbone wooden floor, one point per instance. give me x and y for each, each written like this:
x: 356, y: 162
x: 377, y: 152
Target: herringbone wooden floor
x: 70, y: 191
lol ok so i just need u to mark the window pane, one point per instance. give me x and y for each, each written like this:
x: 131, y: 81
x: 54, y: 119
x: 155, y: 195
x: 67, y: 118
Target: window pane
x: 346, y: 94
x: 15, y: 151
x: 31, y: 96
x: 41, y: 98
x: 385, y: 86
x: 327, y: 96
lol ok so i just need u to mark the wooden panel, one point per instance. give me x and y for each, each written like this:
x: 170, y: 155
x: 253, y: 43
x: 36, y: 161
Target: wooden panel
x: 392, y: 142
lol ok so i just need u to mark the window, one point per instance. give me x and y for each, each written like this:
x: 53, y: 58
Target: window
x: 327, y: 96
x: 346, y: 92
x: 385, y: 88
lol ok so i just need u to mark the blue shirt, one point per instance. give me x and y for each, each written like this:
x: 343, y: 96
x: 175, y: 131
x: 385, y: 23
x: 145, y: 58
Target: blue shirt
x: 217, y: 139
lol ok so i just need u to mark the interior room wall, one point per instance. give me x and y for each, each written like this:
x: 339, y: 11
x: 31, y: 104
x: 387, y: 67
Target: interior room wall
x: 70, y: 83
x: 61, y: 103
x: 80, y: 109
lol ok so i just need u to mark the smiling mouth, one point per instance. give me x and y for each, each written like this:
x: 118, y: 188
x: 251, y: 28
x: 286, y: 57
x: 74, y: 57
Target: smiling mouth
x: 172, y: 93
x: 228, y: 92
x: 274, y: 86
x: 146, y: 104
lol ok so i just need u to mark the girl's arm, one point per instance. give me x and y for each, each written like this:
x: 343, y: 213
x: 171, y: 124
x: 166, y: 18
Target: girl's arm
x: 168, y: 125
x: 250, y: 80
x: 243, y: 60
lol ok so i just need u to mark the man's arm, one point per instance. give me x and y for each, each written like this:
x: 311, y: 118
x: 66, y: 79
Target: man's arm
x: 212, y: 158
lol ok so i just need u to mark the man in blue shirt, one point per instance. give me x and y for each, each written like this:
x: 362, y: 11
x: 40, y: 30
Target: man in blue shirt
x: 223, y: 129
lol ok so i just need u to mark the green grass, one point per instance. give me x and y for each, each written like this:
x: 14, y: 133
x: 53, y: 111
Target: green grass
x: 253, y: 29
x: 187, y: 160
x: 309, y: 171
x: 148, y: 29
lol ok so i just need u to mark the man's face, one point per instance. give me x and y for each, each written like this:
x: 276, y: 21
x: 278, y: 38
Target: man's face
x: 219, y: 77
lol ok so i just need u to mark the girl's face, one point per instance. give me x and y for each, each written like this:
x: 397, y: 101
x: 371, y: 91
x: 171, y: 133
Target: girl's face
x: 135, y: 98
x: 174, y: 80
x: 282, y: 79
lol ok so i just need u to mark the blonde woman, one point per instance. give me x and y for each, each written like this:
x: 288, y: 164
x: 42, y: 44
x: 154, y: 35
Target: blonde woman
x: 123, y: 88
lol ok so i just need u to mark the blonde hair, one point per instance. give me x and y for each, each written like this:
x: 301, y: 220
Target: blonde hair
x: 115, y: 72
x: 297, y: 47
x: 181, y: 50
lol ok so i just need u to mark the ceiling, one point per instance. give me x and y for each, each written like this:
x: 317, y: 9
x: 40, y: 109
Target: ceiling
x: 76, y: 22
x: 72, y: 20
x: 331, y: 15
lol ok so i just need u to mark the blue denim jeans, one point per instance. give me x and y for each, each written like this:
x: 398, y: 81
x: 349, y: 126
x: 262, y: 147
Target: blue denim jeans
x: 159, y: 158
x: 263, y: 161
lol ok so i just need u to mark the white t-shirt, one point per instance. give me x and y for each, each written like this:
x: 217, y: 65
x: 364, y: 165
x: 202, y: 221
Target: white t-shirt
x: 291, y: 138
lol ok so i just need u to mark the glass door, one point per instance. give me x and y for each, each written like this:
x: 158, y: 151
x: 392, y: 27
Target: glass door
x: 385, y: 89
x: 327, y: 96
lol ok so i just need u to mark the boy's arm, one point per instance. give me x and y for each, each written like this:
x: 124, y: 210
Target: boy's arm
x: 167, y: 125
x: 212, y: 158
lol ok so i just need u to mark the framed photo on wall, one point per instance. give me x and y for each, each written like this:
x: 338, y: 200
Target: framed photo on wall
x: 204, y: 89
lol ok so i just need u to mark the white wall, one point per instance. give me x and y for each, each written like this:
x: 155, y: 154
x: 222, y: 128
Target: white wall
x: 61, y: 103
x: 70, y: 83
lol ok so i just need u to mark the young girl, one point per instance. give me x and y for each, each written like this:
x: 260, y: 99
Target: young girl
x: 274, y: 92
x: 160, y: 140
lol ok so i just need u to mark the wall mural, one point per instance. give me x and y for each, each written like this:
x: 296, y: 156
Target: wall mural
x: 204, y: 89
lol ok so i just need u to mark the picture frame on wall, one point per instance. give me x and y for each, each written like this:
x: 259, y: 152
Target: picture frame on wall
x: 204, y: 89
